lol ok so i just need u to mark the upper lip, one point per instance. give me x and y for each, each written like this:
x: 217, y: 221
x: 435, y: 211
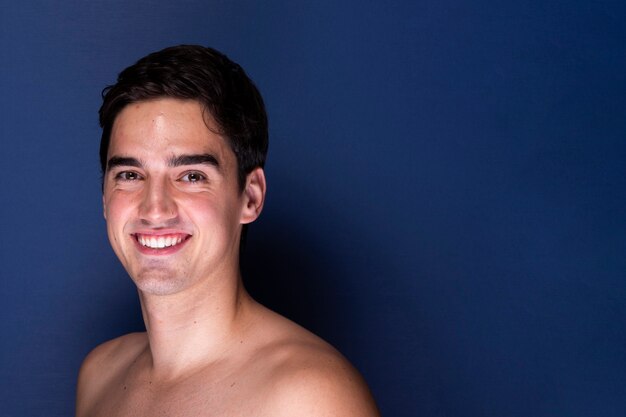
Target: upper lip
x: 160, y: 232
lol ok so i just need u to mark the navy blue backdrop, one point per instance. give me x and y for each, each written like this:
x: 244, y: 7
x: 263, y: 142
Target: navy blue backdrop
x: 446, y: 192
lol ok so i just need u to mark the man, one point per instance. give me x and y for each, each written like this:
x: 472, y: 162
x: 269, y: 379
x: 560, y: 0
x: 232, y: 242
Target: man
x: 183, y: 148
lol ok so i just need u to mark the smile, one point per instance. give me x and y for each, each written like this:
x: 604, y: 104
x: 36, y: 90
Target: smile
x: 160, y: 242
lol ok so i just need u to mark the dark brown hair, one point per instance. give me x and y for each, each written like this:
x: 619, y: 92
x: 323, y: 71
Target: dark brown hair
x: 192, y: 72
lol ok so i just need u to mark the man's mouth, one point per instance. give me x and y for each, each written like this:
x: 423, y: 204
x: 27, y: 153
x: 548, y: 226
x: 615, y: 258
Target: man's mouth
x: 160, y: 242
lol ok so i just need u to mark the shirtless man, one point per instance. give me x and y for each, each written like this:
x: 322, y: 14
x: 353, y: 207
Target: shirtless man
x: 183, y: 148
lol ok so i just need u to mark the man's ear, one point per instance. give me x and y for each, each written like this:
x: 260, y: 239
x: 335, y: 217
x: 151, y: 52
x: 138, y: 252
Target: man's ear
x: 253, y: 195
x: 104, y: 207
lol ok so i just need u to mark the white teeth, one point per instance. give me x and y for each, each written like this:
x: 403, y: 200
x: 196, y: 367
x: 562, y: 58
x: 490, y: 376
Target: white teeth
x: 159, y: 242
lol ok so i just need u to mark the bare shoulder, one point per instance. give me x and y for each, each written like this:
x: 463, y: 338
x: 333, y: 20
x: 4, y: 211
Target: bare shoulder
x: 104, y: 363
x: 317, y: 381
x: 109, y: 356
x: 309, y: 377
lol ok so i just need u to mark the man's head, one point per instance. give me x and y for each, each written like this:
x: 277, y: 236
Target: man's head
x: 183, y: 147
x: 190, y: 72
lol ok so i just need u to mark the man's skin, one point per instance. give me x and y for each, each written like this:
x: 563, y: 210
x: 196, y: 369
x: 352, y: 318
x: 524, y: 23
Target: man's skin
x: 209, y: 349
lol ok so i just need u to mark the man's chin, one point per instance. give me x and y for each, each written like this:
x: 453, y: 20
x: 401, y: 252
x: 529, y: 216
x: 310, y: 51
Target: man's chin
x: 157, y: 281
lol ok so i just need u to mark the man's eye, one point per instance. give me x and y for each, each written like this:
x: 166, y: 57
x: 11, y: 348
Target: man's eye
x: 127, y: 176
x: 193, y: 177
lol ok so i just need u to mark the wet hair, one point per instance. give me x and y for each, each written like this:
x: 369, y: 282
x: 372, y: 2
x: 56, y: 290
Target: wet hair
x: 191, y: 72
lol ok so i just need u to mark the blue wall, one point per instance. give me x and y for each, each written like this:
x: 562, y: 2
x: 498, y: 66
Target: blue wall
x: 446, y: 192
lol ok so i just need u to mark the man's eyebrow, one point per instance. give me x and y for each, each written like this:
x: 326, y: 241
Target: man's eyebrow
x: 124, y: 161
x: 200, y: 159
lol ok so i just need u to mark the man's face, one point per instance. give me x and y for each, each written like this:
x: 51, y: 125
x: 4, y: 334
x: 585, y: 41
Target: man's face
x: 171, y: 198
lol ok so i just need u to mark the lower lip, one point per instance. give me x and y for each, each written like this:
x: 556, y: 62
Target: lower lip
x: 168, y: 250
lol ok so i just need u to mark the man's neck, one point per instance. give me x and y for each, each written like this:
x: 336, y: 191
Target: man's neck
x: 192, y: 329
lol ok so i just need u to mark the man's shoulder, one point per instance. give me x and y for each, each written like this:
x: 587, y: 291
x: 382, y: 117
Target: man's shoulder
x: 308, y: 377
x: 114, y: 351
x: 316, y: 379
x: 104, y: 363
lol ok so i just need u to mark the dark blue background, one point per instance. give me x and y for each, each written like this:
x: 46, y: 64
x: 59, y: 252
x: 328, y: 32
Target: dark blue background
x: 446, y: 192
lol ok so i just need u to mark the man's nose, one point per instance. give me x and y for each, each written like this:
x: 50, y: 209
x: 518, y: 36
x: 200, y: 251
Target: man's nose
x: 158, y: 204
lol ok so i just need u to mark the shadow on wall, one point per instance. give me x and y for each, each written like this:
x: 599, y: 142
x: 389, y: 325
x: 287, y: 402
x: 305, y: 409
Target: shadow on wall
x: 324, y: 274
x: 286, y: 270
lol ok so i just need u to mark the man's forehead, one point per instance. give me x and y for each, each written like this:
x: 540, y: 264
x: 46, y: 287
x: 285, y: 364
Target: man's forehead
x: 160, y: 110
x: 166, y: 127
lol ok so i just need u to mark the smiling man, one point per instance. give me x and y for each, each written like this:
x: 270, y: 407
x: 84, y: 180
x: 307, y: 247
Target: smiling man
x: 183, y: 148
